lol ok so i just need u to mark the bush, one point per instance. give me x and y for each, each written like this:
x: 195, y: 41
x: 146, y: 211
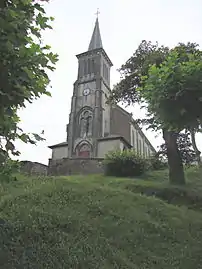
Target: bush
x: 124, y: 164
x: 7, y: 168
x: 156, y: 163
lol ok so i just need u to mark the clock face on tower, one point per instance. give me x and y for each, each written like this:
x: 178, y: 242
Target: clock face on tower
x: 86, y: 91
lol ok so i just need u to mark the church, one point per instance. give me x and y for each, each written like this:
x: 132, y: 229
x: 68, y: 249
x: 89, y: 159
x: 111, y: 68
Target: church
x: 95, y: 127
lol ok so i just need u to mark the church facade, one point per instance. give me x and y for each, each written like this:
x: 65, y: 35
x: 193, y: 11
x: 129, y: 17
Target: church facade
x: 96, y: 127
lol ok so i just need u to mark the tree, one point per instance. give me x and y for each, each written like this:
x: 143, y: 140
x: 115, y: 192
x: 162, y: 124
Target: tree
x: 185, y: 148
x: 126, y: 90
x: 175, y: 84
x: 133, y: 70
x: 23, y: 67
x: 185, y: 50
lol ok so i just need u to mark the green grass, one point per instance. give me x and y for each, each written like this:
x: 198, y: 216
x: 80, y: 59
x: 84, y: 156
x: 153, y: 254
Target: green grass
x: 98, y: 222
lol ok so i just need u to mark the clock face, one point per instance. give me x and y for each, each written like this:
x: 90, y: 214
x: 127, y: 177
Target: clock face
x: 86, y: 91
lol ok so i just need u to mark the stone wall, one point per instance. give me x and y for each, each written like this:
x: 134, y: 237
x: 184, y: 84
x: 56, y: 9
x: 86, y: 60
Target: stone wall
x: 75, y: 166
x: 120, y: 123
x: 33, y: 168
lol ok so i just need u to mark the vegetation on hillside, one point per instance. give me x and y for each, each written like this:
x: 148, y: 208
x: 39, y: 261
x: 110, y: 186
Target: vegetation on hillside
x: 101, y: 222
x: 129, y: 163
x: 125, y: 163
x: 25, y: 61
x: 97, y: 221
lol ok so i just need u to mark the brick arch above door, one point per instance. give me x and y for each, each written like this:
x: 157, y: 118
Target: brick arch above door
x: 84, y: 150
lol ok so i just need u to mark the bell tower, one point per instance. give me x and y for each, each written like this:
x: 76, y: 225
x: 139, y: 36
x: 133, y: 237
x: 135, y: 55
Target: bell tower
x: 89, y: 118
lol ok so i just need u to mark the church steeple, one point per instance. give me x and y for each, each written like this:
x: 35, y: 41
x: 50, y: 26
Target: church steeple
x: 90, y: 115
x: 96, y: 41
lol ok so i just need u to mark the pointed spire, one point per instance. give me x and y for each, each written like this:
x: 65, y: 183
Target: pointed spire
x: 96, y: 41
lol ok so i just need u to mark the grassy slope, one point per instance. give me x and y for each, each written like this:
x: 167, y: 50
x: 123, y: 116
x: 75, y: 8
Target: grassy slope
x: 96, y: 222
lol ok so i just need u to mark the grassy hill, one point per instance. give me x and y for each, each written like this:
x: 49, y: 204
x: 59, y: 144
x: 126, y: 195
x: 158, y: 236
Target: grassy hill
x: 98, y: 222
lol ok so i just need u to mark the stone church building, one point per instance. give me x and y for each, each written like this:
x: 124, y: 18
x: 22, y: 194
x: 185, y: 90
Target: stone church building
x: 95, y: 127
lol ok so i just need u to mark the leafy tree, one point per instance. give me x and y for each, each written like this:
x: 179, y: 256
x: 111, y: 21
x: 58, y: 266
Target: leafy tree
x: 24, y: 63
x: 184, y: 50
x: 133, y: 70
x: 126, y: 90
x: 185, y: 148
x: 173, y: 92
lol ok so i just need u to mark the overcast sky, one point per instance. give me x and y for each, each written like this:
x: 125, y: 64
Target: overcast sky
x: 123, y: 24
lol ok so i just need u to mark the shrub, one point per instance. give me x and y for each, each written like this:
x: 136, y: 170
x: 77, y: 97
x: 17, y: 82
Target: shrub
x: 124, y: 164
x: 7, y: 169
x: 156, y: 163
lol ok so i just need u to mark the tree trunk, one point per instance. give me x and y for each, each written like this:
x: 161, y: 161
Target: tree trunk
x: 197, y: 151
x: 176, y: 171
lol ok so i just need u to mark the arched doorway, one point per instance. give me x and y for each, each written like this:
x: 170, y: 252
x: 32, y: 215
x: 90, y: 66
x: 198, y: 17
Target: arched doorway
x: 83, y: 150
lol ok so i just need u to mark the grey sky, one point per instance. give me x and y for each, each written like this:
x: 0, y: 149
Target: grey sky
x: 123, y: 24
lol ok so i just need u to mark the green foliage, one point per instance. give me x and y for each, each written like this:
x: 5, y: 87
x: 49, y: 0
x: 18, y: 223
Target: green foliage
x: 156, y: 163
x: 98, y: 222
x: 125, y: 163
x: 170, y: 194
x: 175, y: 83
x: 24, y: 66
x: 7, y: 169
x: 155, y: 184
x: 133, y: 70
x: 160, y: 78
x: 168, y: 79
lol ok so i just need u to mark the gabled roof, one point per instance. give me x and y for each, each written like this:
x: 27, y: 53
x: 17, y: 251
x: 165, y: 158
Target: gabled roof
x: 63, y: 144
x: 115, y: 137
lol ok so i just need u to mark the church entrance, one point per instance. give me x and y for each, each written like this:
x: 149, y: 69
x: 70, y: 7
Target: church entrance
x: 84, y: 151
x: 84, y: 154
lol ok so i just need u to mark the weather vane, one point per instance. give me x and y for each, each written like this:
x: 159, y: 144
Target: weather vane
x: 97, y: 13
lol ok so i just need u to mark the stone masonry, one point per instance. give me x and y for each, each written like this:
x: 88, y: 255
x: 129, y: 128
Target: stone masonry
x: 75, y: 166
x: 33, y: 168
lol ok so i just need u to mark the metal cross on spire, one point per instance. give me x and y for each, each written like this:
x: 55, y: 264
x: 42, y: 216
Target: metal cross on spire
x: 97, y: 13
